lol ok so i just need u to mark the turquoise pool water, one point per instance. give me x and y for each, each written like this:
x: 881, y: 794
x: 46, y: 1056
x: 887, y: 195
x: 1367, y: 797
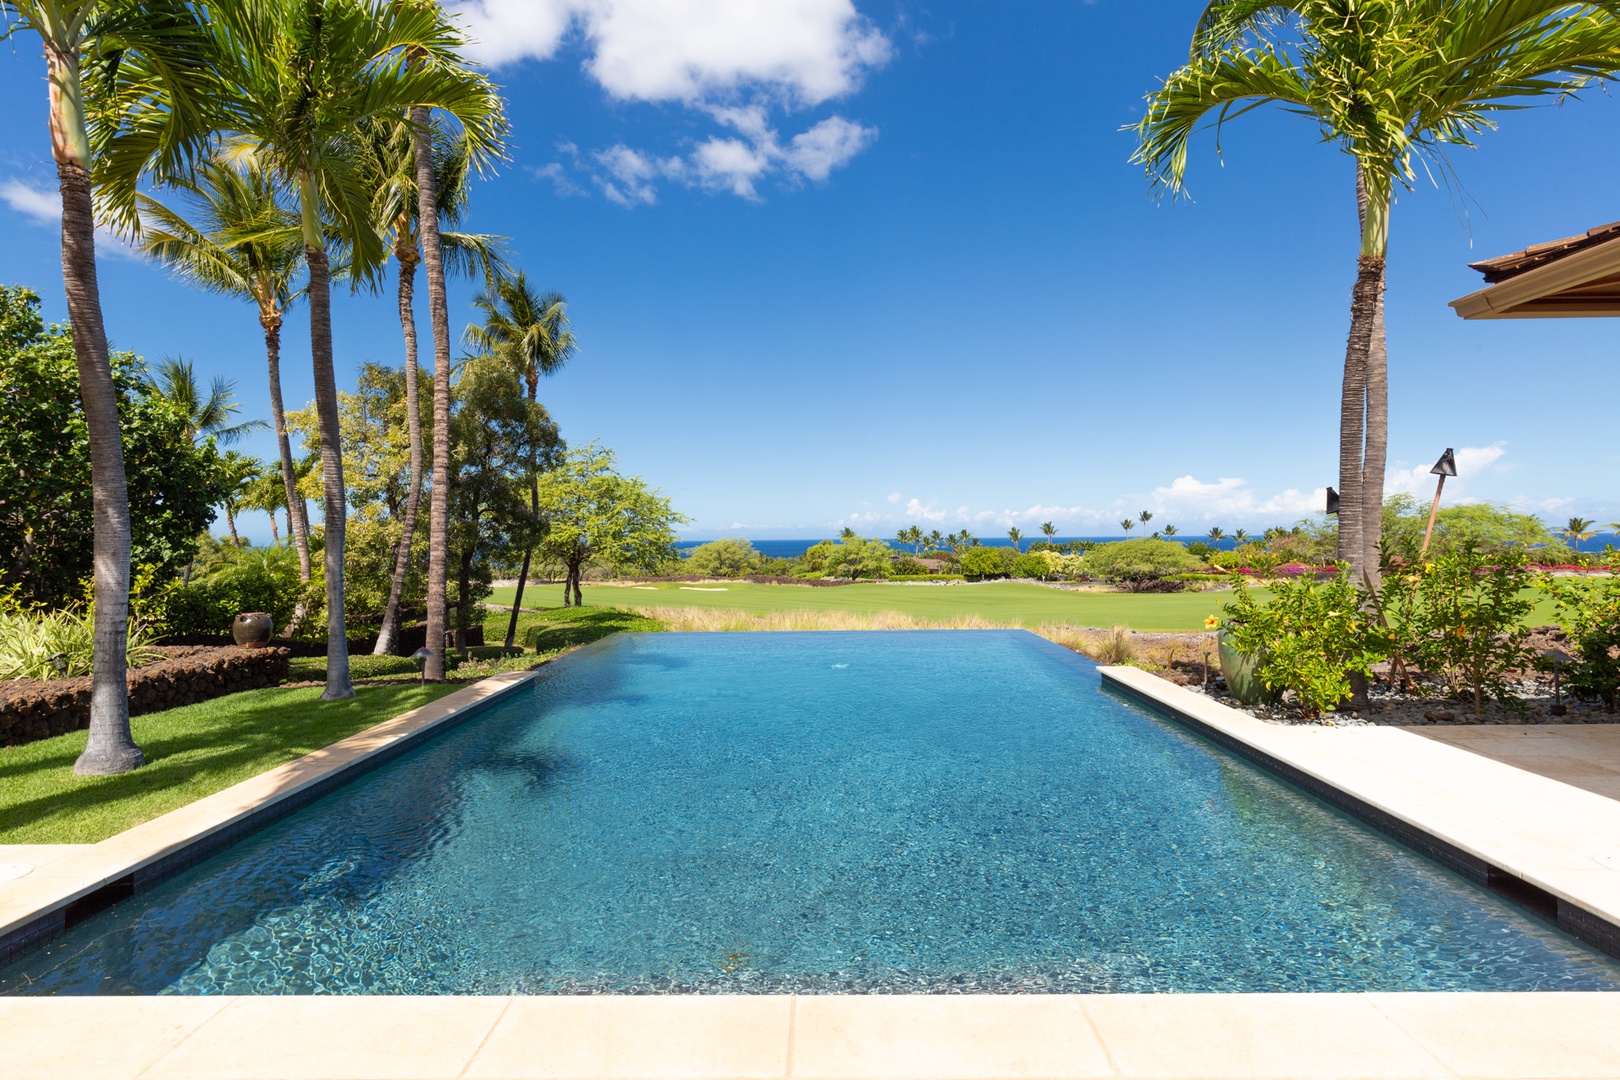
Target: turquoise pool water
x: 887, y: 812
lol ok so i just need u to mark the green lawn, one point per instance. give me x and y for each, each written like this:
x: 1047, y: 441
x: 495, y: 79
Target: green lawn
x: 1009, y: 602
x: 191, y: 752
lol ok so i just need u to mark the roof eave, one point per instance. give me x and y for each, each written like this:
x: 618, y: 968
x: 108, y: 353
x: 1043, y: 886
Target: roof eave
x: 1504, y: 299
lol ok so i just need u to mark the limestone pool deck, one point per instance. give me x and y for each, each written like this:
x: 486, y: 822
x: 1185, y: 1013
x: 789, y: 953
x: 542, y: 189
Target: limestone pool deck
x: 1537, y: 838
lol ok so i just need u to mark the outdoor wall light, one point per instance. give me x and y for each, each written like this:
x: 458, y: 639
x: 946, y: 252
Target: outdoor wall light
x: 1446, y: 466
x: 1332, y: 502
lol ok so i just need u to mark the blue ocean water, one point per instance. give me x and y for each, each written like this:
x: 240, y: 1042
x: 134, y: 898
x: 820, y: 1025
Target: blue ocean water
x: 884, y: 812
x: 792, y: 549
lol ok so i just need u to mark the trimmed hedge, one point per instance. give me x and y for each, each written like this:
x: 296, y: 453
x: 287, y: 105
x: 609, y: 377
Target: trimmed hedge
x: 39, y: 709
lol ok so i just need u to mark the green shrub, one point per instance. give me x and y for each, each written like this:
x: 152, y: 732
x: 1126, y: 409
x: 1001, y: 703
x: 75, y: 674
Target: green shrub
x: 856, y: 558
x: 1590, y: 612
x: 981, y: 562
x: 234, y: 581
x: 906, y: 566
x: 1031, y: 565
x: 1460, y: 618
x: 1312, y: 633
x: 31, y: 636
x: 1144, y: 565
x: 926, y: 577
x: 729, y: 558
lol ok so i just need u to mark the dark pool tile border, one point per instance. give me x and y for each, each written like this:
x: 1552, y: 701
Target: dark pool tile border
x: 59, y: 918
x: 1577, y: 922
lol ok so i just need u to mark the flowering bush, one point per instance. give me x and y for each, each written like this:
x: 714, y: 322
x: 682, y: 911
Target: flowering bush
x: 1312, y: 634
x: 1590, y: 611
x: 1460, y: 618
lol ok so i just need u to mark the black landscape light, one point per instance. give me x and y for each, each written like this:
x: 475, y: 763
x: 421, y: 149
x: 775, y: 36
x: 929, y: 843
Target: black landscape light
x: 421, y: 657
x: 1559, y: 658
x: 59, y: 662
x: 1446, y: 466
x: 1332, y: 502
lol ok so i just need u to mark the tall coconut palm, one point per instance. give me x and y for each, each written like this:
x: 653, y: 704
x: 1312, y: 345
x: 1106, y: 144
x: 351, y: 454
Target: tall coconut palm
x: 528, y: 331
x: 1388, y: 81
x: 297, y: 81
x: 390, y: 159
x: 1577, y: 530
x: 1127, y: 524
x: 1016, y: 535
x: 118, y: 51
x: 236, y: 237
x: 1217, y: 533
x: 1049, y: 531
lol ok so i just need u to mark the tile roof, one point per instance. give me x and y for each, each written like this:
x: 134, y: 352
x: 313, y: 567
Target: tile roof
x: 1504, y: 267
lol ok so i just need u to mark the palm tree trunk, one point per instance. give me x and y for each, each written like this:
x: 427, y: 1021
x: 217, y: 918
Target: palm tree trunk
x: 230, y: 522
x: 413, y: 424
x: 534, y: 517
x: 110, y: 747
x: 1372, y: 473
x: 297, y: 523
x: 439, y: 315
x: 334, y: 504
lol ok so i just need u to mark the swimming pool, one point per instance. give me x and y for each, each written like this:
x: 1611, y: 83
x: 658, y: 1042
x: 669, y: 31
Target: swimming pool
x: 824, y: 812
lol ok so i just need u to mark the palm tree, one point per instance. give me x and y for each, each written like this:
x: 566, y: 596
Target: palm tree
x: 1387, y: 82
x: 297, y: 80
x: 207, y: 417
x: 846, y: 533
x: 236, y: 238
x: 1241, y: 536
x: 134, y: 47
x: 1049, y: 531
x: 1578, y: 529
x: 1015, y: 535
x: 1127, y: 525
x: 390, y: 160
x: 239, y: 473
x: 267, y: 494
x: 1217, y: 533
x: 935, y: 541
x: 527, y: 331
x: 1170, y: 530
x: 1144, y: 517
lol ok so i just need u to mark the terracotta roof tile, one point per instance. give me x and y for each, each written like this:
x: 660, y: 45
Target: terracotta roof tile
x: 1506, y: 266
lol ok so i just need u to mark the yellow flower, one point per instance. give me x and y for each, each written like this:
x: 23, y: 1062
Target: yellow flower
x: 1212, y: 622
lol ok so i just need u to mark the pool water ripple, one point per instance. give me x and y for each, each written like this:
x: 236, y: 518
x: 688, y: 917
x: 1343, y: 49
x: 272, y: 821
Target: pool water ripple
x: 947, y: 812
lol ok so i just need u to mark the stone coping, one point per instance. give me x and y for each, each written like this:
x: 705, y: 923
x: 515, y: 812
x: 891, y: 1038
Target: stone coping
x: 62, y: 891
x: 1547, y: 846
x: 968, y: 1037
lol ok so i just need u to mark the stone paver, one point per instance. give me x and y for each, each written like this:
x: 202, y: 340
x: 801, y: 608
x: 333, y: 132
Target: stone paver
x: 1585, y: 755
x: 872, y: 1037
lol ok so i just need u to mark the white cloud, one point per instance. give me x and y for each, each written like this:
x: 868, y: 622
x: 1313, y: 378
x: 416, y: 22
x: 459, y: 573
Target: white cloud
x: 1232, y: 498
x: 561, y: 182
x: 734, y: 60
x: 43, y: 207
x: 827, y: 146
x: 803, y: 52
x: 1471, y: 461
x: 630, y: 174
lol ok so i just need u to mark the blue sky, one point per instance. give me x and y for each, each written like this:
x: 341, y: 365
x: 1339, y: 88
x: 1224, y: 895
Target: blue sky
x: 882, y: 263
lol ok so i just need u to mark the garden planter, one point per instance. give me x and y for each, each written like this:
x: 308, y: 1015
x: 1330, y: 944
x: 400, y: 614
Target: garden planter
x: 252, y: 629
x: 1242, y: 674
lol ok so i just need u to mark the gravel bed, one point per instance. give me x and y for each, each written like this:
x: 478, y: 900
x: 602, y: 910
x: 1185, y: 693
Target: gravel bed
x: 1390, y: 707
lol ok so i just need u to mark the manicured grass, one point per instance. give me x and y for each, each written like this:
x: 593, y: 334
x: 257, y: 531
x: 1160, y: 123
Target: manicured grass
x: 1009, y: 602
x: 191, y: 752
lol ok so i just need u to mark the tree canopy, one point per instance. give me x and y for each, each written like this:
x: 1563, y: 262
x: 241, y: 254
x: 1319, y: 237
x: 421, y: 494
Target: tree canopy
x: 45, y: 511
